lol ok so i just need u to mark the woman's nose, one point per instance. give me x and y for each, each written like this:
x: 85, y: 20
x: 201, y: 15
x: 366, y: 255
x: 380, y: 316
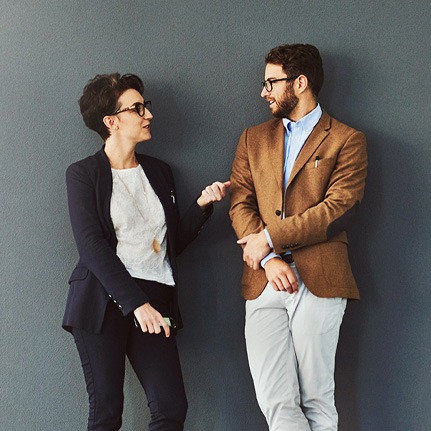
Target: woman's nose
x: 148, y: 115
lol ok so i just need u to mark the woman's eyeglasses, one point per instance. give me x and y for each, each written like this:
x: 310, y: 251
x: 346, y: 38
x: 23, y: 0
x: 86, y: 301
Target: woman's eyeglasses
x: 138, y: 107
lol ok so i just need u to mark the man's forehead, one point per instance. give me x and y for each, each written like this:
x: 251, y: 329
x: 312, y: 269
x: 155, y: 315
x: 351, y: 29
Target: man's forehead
x: 274, y: 71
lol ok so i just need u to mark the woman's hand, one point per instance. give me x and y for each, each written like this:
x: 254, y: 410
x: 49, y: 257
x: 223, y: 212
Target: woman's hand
x: 213, y: 193
x: 150, y: 320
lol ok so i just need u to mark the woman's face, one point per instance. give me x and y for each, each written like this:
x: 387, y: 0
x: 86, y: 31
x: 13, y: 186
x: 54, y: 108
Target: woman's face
x: 130, y: 124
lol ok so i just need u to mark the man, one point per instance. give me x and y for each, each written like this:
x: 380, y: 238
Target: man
x: 296, y: 183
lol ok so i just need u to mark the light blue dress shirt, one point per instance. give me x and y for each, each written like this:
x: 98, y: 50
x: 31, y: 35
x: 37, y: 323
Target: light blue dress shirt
x: 296, y: 133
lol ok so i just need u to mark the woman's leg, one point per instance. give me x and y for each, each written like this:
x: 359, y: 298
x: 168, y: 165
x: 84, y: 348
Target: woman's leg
x: 103, y: 362
x: 156, y: 363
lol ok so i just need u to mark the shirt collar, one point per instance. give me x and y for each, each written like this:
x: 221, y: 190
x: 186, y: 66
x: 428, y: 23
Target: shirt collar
x: 308, y: 122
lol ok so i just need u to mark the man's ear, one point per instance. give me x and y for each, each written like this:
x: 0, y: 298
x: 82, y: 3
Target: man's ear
x: 110, y: 122
x: 302, y: 83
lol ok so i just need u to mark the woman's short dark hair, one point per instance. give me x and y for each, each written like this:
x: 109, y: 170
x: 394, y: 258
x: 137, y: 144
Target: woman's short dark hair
x: 299, y: 59
x: 100, y: 98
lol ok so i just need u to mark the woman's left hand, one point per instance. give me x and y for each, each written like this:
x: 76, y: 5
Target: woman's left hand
x: 213, y: 193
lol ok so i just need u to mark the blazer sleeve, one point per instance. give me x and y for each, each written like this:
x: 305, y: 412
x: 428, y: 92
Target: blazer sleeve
x: 244, y: 208
x: 331, y: 216
x: 191, y: 223
x: 92, y: 239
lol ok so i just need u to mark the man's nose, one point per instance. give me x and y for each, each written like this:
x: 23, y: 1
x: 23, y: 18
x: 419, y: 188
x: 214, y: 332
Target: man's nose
x: 264, y: 92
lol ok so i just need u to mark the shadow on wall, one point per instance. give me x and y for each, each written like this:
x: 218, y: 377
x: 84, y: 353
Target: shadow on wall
x: 353, y: 330
x: 335, y: 98
x: 381, y: 336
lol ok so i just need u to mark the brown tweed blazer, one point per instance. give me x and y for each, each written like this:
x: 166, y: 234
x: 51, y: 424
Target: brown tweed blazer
x: 324, y: 190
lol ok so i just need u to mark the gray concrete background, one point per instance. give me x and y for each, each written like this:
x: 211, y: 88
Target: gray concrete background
x: 202, y: 63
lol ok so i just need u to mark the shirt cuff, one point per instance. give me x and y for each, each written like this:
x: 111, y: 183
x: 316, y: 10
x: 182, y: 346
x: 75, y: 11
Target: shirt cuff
x: 271, y: 254
x: 268, y: 257
x: 268, y: 238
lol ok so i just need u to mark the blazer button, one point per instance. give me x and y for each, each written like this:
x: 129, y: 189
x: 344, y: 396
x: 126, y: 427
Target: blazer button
x: 284, y: 247
x: 278, y: 213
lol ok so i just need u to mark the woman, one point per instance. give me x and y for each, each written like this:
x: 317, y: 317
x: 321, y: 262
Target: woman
x: 123, y: 297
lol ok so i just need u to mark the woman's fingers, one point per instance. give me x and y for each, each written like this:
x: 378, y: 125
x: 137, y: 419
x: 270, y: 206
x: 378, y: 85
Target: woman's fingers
x: 150, y: 320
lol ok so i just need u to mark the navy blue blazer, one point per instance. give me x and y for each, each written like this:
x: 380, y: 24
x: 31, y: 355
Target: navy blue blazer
x: 99, y: 274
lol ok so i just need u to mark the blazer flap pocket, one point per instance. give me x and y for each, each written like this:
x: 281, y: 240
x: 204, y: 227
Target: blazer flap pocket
x: 79, y: 273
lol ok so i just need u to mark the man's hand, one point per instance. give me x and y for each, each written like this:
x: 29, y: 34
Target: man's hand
x: 255, y: 247
x: 150, y: 320
x: 281, y: 276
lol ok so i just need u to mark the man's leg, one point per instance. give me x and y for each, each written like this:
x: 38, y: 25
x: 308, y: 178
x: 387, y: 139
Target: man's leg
x: 315, y: 330
x: 272, y: 360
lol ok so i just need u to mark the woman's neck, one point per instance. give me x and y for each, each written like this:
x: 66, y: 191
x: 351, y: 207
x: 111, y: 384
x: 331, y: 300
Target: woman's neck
x: 120, y: 156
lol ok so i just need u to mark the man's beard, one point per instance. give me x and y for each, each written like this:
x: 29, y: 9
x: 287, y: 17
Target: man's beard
x: 286, y: 105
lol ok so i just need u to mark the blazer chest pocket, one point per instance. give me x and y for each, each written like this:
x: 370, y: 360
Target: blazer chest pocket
x: 316, y: 173
x: 79, y: 273
x: 320, y: 164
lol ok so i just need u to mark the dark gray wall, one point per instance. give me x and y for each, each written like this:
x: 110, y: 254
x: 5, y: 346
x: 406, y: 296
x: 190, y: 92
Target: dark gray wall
x: 202, y: 63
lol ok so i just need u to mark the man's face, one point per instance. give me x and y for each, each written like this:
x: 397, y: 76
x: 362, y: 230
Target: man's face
x: 281, y: 98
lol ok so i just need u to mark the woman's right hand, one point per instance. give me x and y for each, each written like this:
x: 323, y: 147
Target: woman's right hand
x: 150, y: 320
x: 213, y: 193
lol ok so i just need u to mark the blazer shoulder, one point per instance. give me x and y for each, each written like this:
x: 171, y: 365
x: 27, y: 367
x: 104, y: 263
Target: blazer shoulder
x: 88, y: 164
x: 265, y: 127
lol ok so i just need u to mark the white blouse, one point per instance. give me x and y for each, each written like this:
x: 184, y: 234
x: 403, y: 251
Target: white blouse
x: 139, y: 220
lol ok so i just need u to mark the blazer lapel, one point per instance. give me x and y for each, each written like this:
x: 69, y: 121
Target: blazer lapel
x: 154, y: 177
x: 316, y: 137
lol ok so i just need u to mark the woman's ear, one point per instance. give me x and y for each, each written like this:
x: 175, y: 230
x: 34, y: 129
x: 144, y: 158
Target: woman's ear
x: 110, y: 122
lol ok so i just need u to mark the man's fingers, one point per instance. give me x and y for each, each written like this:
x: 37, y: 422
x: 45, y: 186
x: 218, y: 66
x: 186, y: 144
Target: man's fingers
x: 281, y: 276
x: 243, y: 240
x: 293, y: 282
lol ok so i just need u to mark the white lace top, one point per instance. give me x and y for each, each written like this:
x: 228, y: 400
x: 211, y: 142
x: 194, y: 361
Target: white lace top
x: 139, y: 219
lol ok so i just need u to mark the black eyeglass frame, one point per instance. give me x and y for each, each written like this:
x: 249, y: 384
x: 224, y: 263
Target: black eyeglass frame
x: 268, y: 83
x: 138, y: 107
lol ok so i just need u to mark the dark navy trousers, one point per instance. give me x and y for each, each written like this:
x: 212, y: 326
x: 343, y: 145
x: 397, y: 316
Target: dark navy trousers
x: 154, y: 358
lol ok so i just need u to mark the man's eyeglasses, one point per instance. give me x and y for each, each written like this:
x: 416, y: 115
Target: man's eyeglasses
x: 268, y: 83
x: 138, y: 107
